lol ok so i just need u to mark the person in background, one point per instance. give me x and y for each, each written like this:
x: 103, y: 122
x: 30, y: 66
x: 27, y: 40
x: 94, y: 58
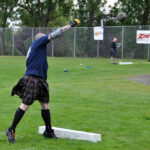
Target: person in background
x: 113, y: 52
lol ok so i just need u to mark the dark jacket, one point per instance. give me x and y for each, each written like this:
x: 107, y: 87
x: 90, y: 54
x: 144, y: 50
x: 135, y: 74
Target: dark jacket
x: 113, y: 52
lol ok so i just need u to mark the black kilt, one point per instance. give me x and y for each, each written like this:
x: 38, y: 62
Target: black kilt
x: 30, y: 88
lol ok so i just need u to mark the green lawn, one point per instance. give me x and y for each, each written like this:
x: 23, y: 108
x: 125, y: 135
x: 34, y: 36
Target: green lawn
x: 101, y: 99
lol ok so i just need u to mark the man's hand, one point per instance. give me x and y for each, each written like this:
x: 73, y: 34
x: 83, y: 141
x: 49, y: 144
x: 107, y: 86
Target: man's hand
x: 74, y: 22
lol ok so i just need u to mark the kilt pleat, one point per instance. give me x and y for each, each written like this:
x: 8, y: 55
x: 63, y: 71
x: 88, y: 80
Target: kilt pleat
x: 30, y: 88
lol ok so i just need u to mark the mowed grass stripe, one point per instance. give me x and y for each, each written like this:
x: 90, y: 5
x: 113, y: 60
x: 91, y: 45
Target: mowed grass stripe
x: 101, y: 99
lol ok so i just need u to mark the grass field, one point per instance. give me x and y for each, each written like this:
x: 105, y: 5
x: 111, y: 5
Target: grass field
x: 101, y: 99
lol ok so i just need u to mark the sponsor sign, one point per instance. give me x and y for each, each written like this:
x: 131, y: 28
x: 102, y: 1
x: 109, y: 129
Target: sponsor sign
x: 98, y: 33
x: 143, y: 37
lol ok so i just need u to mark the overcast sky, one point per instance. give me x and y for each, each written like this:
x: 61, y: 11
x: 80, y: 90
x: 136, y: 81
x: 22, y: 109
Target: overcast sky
x: 111, y: 2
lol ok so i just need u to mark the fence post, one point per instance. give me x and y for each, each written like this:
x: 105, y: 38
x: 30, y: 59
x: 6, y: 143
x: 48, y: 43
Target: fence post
x: 53, y: 44
x: 39, y: 29
x: 74, y: 46
x: 148, y: 47
x: 12, y: 42
x: 97, y: 48
x: 32, y: 34
x: 52, y: 48
x: 122, y: 42
x: 148, y: 51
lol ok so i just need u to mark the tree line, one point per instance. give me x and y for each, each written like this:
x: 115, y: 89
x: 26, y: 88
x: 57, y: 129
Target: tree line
x: 56, y: 13
x: 53, y: 13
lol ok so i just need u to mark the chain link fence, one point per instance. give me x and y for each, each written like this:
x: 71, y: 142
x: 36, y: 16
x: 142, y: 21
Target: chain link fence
x: 78, y: 42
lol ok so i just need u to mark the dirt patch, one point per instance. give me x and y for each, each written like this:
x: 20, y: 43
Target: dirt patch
x: 145, y: 79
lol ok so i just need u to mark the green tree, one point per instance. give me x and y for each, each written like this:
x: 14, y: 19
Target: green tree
x: 43, y: 12
x: 137, y: 11
x: 6, y: 12
x: 89, y: 12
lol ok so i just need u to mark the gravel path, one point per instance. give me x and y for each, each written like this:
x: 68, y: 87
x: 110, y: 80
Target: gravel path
x: 145, y: 79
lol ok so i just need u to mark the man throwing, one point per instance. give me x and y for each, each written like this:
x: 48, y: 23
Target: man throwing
x: 33, y: 85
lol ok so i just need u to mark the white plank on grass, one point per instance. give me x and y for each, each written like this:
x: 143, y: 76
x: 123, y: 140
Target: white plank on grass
x: 125, y: 63
x: 74, y: 134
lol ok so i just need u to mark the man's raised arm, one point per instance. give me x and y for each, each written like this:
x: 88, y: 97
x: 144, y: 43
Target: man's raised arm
x: 58, y: 32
